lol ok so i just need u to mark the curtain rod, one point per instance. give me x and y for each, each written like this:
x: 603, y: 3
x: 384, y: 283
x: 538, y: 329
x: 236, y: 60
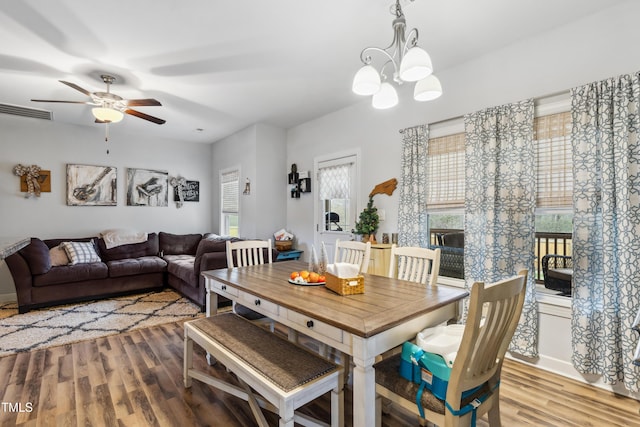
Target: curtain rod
x: 450, y: 119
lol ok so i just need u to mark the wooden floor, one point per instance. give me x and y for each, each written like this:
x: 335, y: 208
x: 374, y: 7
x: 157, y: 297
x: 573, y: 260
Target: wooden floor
x: 135, y: 379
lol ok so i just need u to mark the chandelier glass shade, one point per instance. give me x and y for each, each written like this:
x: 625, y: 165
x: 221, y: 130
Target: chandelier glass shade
x: 107, y: 115
x: 402, y: 61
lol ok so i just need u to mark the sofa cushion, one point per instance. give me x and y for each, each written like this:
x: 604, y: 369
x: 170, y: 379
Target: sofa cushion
x: 181, y: 266
x: 134, y: 250
x: 178, y: 244
x: 81, y: 252
x: 133, y: 266
x: 37, y: 256
x: 72, y: 273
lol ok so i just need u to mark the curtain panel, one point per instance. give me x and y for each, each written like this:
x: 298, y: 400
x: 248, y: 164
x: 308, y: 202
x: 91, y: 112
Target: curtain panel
x: 606, y: 228
x: 412, y: 215
x: 500, y: 201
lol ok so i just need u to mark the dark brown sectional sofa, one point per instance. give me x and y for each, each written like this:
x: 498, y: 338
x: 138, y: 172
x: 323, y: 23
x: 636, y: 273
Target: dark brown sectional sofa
x: 165, y: 259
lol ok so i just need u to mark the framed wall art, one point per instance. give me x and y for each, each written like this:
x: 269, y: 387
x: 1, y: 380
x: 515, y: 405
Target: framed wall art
x: 89, y: 185
x: 190, y: 192
x: 147, y: 187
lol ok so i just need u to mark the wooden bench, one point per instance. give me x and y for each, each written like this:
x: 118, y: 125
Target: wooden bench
x: 285, y: 375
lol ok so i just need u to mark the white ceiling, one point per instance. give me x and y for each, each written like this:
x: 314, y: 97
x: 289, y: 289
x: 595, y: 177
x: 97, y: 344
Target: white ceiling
x: 221, y: 66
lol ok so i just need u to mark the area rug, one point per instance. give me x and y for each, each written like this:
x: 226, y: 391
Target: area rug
x: 89, y: 320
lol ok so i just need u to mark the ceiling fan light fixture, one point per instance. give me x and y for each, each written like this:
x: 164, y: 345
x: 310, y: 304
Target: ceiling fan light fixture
x: 108, y: 115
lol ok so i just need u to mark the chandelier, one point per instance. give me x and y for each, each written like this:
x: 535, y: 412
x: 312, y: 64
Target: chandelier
x: 405, y: 60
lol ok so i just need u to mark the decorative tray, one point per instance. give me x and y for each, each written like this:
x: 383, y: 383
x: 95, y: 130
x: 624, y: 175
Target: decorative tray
x: 306, y: 283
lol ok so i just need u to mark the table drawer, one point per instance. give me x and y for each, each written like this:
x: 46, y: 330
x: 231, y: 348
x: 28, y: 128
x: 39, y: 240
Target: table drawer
x: 315, y: 325
x: 223, y: 289
x: 258, y: 304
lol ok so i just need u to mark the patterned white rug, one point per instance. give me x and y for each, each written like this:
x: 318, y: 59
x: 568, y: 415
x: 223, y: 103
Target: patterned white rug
x: 76, y: 322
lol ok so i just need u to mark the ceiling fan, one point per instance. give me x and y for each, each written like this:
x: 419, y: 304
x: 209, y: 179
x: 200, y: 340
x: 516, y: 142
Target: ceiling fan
x: 109, y: 107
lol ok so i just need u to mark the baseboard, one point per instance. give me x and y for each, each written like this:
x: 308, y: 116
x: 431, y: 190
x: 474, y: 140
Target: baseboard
x: 566, y: 369
x: 11, y: 297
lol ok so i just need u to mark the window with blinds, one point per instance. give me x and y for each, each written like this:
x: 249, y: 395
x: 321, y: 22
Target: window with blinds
x: 445, y: 172
x: 335, y: 193
x: 230, y: 195
x: 552, y: 135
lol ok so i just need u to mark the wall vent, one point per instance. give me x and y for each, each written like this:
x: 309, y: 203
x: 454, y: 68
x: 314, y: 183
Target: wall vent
x: 17, y: 110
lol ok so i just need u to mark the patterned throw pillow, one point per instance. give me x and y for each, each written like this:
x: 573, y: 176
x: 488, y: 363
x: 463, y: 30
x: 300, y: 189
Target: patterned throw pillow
x: 80, y: 252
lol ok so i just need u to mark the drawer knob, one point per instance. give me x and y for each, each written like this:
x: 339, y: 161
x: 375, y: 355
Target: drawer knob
x: 224, y: 287
x: 309, y: 323
x: 257, y: 302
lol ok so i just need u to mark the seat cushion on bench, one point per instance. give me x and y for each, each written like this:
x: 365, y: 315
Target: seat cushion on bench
x: 133, y: 266
x: 285, y: 364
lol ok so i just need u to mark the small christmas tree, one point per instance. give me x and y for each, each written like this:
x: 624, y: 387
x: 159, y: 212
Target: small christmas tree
x: 369, y: 219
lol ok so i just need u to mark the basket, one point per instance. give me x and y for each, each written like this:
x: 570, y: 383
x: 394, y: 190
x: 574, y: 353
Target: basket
x: 341, y: 286
x: 284, y: 245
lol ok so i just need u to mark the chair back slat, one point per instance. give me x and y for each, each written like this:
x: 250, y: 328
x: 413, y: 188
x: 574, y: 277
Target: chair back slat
x: 248, y: 252
x: 415, y: 264
x: 352, y: 252
x: 494, y: 311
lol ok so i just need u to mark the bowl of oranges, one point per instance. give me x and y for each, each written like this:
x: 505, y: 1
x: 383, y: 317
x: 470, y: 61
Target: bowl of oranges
x: 307, y: 278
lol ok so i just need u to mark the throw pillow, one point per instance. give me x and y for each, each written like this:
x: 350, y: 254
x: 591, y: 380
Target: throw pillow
x: 37, y: 256
x: 81, y: 252
x: 58, y: 256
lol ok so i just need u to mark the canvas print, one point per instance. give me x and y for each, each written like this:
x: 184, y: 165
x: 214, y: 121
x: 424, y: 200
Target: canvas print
x: 89, y: 185
x: 147, y: 187
x: 190, y: 192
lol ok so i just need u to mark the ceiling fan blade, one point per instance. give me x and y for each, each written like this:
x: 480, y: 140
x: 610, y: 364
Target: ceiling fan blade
x: 76, y: 87
x: 150, y: 102
x: 145, y: 116
x: 64, y: 102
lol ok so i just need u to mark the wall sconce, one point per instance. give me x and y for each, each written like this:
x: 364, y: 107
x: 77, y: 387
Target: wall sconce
x: 247, y: 187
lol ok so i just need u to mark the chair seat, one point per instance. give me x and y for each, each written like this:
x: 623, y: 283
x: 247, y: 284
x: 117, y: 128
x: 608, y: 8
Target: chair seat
x: 388, y: 376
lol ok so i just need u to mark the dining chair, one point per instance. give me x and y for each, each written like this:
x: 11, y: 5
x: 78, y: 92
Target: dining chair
x: 415, y: 264
x: 354, y: 253
x: 245, y: 253
x: 494, y: 311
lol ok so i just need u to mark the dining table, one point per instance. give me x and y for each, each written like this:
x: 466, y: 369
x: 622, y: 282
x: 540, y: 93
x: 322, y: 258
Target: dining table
x: 388, y: 313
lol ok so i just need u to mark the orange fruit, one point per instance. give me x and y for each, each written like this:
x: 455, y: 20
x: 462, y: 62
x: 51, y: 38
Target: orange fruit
x: 304, y: 274
x: 294, y: 275
x: 321, y: 279
x: 313, y: 277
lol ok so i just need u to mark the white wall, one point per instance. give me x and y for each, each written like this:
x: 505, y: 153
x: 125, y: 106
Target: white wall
x: 259, y: 151
x: 52, y: 145
x: 597, y: 47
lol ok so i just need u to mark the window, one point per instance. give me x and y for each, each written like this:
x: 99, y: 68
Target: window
x: 445, y: 201
x: 229, y: 194
x: 552, y: 137
x: 334, y: 183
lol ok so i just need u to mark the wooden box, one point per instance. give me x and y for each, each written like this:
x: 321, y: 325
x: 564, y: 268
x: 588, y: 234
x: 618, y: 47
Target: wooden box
x: 341, y: 286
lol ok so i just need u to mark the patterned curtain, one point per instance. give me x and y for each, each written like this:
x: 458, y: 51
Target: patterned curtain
x: 606, y: 228
x: 412, y: 215
x: 500, y: 201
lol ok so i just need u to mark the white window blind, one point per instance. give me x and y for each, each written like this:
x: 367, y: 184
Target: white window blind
x: 230, y: 186
x: 552, y: 135
x: 334, y: 182
x: 445, y: 172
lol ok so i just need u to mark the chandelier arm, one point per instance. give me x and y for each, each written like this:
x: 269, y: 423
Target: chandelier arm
x: 411, y: 40
x: 366, y: 59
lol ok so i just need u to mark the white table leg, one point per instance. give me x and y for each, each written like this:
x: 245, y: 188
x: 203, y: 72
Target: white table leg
x: 364, y: 392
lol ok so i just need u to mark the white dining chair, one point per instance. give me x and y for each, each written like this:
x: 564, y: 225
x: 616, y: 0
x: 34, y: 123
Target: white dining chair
x: 354, y: 253
x: 420, y: 265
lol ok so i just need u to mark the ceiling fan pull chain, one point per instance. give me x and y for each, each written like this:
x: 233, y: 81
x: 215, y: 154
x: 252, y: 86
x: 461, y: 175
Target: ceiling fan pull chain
x: 106, y: 135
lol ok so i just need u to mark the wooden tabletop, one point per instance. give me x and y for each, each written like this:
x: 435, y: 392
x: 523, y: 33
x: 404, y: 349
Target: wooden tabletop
x: 385, y: 303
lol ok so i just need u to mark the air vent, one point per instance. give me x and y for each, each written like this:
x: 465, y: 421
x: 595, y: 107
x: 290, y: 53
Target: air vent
x: 17, y: 110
